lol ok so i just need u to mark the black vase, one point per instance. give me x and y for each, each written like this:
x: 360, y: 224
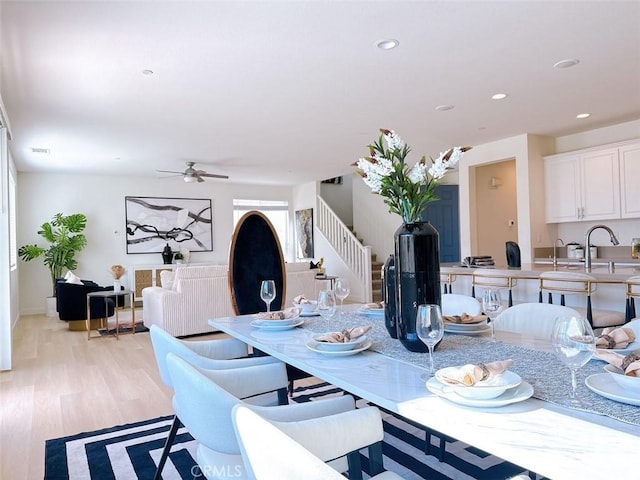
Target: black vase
x: 389, y: 295
x: 417, y: 268
x: 167, y: 254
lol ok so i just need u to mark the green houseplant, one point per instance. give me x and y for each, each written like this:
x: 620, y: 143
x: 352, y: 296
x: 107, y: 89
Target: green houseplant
x: 65, y: 237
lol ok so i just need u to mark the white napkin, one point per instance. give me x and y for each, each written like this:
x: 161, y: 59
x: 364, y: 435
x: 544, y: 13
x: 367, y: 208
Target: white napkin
x: 471, y: 374
x: 345, y: 336
x: 279, y: 315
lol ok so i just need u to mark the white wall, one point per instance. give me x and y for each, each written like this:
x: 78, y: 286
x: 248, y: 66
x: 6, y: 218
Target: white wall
x: 339, y: 198
x: 101, y: 198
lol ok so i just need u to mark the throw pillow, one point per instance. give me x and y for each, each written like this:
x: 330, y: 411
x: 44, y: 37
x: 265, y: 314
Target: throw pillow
x: 71, y: 278
x: 166, y: 279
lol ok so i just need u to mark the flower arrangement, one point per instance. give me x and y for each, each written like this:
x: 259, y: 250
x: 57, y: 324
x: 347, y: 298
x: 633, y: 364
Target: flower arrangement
x: 406, y: 190
x: 118, y: 271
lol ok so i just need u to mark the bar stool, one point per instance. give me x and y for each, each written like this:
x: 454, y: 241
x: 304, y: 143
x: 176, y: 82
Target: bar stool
x: 633, y: 290
x: 446, y: 279
x: 493, y: 279
x: 574, y: 283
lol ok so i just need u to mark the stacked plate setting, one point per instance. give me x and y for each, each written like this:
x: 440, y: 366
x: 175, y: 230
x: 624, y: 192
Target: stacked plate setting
x: 352, y: 347
x: 467, y: 328
x: 270, y: 321
x: 371, y: 312
x: 499, y: 391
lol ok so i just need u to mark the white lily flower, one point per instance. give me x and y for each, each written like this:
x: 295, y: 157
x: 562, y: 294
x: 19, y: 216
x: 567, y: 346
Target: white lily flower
x: 394, y: 141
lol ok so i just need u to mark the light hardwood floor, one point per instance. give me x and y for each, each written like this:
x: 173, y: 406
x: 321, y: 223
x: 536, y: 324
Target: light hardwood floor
x: 62, y: 384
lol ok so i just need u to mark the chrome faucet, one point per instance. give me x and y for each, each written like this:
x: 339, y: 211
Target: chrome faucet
x: 555, y: 252
x: 587, y: 244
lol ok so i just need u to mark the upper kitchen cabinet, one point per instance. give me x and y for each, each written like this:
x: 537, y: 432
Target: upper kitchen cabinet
x: 630, y: 181
x: 582, y: 186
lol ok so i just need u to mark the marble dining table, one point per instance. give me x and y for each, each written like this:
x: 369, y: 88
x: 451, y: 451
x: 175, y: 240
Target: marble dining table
x: 539, y: 434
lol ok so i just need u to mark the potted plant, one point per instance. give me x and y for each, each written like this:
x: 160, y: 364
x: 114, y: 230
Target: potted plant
x: 178, y: 257
x: 65, y: 238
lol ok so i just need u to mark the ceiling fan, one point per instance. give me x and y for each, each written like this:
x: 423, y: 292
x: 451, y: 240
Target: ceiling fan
x: 191, y: 175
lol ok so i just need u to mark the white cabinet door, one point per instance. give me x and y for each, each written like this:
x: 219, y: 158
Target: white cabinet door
x: 630, y: 181
x: 562, y: 189
x: 600, y: 183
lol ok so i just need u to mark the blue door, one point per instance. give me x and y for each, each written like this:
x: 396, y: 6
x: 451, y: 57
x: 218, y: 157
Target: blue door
x: 444, y: 215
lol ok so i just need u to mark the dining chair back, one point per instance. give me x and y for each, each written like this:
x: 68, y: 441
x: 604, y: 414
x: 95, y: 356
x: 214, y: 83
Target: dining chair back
x: 204, y: 399
x: 564, y: 284
x: 255, y: 255
x: 532, y: 319
x: 447, y: 279
x: 218, y: 354
x: 456, y: 304
x: 633, y: 292
x: 274, y: 450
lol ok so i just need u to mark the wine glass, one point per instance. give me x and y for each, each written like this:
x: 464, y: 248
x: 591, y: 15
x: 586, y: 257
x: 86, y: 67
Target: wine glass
x: 268, y: 292
x: 430, y: 329
x: 574, y: 344
x: 492, y: 306
x: 342, y: 291
x: 326, y: 305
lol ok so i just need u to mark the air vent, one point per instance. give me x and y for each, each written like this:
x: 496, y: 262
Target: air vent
x: 42, y: 151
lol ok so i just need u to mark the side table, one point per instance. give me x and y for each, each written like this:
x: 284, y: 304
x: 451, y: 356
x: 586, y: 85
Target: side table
x: 106, y: 294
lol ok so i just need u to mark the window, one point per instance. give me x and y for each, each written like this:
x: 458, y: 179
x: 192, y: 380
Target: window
x: 276, y: 211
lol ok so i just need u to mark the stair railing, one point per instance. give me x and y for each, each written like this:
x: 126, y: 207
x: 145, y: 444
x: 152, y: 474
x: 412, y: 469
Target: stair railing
x: 355, y: 255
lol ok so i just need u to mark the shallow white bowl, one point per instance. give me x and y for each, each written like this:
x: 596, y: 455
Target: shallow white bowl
x: 486, y: 390
x: 307, y: 308
x: 341, y: 347
x: 625, y: 381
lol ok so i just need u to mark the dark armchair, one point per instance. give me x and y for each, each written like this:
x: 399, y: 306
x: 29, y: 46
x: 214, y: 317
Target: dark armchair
x: 71, y: 303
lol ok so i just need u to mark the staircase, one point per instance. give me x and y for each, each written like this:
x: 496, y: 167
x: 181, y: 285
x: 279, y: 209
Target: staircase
x: 376, y: 272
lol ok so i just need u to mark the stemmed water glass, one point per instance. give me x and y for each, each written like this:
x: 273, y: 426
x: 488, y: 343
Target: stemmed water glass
x: 326, y: 306
x: 342, y: 291
x: 492, y: 306
x: 268, y: 292
x: 430, y: 329
x: 574, y: 344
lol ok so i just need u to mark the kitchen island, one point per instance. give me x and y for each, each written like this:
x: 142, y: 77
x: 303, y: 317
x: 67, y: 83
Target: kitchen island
x: 610, y: 291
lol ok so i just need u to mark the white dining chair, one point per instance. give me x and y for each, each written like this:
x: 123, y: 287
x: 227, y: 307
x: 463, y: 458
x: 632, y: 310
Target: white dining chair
x: 456, y: 304
x: 532, y: 319
x: 203, y: 400
x: 294, y: 451
x: 218, y: 354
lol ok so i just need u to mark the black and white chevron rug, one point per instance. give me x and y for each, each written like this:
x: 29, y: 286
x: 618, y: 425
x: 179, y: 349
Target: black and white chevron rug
x: 132, y: 451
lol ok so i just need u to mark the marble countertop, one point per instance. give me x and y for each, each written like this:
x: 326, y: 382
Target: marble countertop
x: 528, y: 270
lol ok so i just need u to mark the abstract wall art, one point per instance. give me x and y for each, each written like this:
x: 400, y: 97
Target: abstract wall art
x: 304, y: 233
x: 183, y: 223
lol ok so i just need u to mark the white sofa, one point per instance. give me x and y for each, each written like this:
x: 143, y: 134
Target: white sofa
x: 191, y: 295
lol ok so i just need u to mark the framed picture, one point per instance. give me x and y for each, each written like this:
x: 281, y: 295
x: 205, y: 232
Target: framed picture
x: 304, y: 233
x: 183, y: 223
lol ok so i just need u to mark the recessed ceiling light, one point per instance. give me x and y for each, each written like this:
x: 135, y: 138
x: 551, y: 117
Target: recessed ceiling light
x: 444, y: 108
x: 387, y: 44
x: 499, y: 96
x: 41, y: 151
x: 147, y: 72
x: 583, y: 115
x: 569, y: 62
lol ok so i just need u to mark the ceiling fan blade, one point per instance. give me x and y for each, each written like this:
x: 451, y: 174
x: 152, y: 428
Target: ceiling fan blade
x: 169, y: 171
x: 200, y: 179
x: 212, y: 175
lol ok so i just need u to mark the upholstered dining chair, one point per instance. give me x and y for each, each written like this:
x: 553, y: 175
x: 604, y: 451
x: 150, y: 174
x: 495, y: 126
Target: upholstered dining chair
x: 534, y: 319
x: 457, y: 304
x: 286, y: 451
x: 226, y: 353
x: 256, y: 255
x: 204, y: 399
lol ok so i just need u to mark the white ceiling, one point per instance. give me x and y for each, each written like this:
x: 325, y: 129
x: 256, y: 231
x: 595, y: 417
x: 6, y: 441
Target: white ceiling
x: 278, y: 92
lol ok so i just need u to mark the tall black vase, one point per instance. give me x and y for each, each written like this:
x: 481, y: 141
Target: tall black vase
x: 389, y: 296
x: 417, y: 268
x: 167, y: 255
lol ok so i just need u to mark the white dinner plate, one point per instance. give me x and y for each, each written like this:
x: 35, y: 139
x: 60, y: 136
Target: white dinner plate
x: 276, y: 321
x: 310, y: 314
x: 329, y: 346
x: 513, y: 395
x: 372, y: 312
x: 477, y: 331
x: 465, y: 327
x: 320, y: 347
x: 603, y: 384
x: 632, y: 347
x: 271, y: 325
